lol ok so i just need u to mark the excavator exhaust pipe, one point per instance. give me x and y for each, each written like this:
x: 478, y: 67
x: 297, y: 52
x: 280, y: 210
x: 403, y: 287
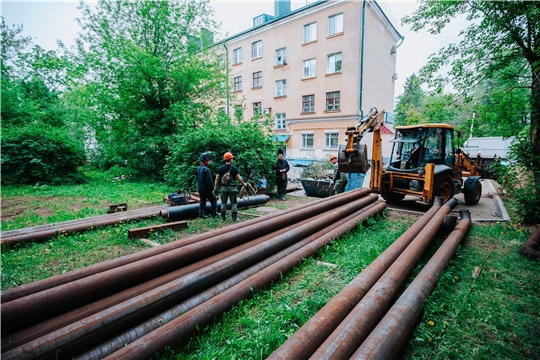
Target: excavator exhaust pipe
x: 355, y: 161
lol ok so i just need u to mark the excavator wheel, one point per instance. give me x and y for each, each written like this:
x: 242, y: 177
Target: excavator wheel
x: 472, y: 190
x: 392, y: 198
x: 443, y: 187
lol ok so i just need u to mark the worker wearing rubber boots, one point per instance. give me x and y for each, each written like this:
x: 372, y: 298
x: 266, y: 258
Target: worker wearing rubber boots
x: 282, y: 167
x: 226, y: 176
x: 339, y: 181
x: 205, y: 186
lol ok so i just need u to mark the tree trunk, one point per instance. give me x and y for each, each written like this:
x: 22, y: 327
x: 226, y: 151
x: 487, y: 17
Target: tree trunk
x: 535, y: 131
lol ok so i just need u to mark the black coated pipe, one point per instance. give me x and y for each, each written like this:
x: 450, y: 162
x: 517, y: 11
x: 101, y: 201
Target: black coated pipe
x: 131, y: 312
x: 386, y: 340
x: 352, y: 331
x: 315, y: 331
x: 148, y: 326
x: 202, y: 315
x: 42, y: 285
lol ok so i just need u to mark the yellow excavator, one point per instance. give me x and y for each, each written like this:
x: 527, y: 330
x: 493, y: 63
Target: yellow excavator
x: 423, y: 162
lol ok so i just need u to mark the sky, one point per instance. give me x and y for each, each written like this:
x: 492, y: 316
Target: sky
x: 48, y: 21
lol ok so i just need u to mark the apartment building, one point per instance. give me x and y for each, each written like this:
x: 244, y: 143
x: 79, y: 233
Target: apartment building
x: 315, y: 70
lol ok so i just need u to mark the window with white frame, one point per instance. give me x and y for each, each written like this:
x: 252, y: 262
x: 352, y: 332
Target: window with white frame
x: 257, y: 79
x: 257, y: 108
x: 281, y: 88
x: 308, y: 103
x: 310, y: 68
x: 335, y: 24
x: 238, y: 83
x: 333, y: 100
x: 258, y: 20
x: 281, y: 56
x: 280, y: 121
x: 307, y: 141
x: 331, y: 140
x: 256, y: 48
x: 310, y: 32
x: 237, y: 56
x: 333, y: 63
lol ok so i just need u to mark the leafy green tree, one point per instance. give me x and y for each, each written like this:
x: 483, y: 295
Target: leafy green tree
x: 254, y: 152
x: 410, y: 102
x: 151, y: 75
x: 500, y: 33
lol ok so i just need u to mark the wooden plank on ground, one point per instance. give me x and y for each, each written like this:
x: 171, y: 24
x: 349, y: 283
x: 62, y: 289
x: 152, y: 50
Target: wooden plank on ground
x: 142, y: 232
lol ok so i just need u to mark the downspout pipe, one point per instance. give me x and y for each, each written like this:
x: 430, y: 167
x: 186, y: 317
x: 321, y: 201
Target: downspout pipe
x: 361, y: 90
x: 227, y: 75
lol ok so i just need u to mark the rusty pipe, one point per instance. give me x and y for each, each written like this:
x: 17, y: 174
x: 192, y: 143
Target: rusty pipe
x: 30, y: 333
x: 202, y: 315
x: 140, y: 307
x: 315, y: 331
x: 42, y: 285
x: 111, y: 345
x: 348, y: 336
x: 531, y: 247
x: 386, y: 340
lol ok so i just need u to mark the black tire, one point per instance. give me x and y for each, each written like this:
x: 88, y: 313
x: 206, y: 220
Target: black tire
x: 443, y: 187
x: 393, y: 198
x: 473, y: 197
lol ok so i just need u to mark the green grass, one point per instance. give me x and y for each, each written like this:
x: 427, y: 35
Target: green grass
x: 495, y: 316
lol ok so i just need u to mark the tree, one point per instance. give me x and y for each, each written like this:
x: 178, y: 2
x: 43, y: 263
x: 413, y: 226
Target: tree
x: 410, y: 101
x: 500, y: 34
x: 151, y: 75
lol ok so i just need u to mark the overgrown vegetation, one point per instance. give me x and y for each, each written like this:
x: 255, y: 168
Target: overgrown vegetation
x: 491, y: 317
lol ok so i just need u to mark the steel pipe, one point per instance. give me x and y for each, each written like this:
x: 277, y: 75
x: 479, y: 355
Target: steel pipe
x: 315, y: 331
x: 202, y: 315
x: 386, y: 340
x: 148, y: 326
x: 140, y: 307
x: 348, y: 336
x: 42, y: 285
x: 531, y: 247
x: 30, y: 333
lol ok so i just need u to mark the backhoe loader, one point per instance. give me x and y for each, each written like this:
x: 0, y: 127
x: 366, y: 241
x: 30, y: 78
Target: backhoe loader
x: 423, y: 162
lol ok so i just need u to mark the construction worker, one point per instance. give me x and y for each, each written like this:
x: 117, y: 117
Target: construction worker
x: 205, y: 186
x: 339, y: 180
x: 227, y: 175
x: 282, y: 167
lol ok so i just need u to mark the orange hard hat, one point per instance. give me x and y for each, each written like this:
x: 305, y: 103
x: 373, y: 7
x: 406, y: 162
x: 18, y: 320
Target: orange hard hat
x: 228, y: 156
x: 332, y: 157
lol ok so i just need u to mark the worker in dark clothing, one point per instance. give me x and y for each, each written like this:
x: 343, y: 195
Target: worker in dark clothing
x: 227, y: 175
x: 282, y: 168
x: 205, y: 185
x: 339, y: 180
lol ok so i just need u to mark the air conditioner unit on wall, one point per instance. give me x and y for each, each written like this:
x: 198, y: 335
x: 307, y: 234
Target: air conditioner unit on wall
x: 393, y: 49
x: 394, y: 77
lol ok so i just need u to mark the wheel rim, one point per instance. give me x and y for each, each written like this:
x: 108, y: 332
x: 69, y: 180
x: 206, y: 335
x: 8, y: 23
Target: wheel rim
x: 444, y: 191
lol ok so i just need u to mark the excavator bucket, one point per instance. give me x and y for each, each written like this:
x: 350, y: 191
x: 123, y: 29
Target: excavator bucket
x: 355, y: 161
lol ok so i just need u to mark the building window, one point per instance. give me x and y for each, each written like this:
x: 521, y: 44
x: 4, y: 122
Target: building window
x: 333, y: 100
x: 237, y: 56
x: 257, y: 79
x: 238, y: 83
x: 258, y: 20
x: 256, y: 48
x: 310, y: 68
x: 280, y: 121
x: 281, y: 87
x: 334, y: 63
x: 335, y: 24
x: 257, y: 108
x: 308, y: 103
x: 281, y: 56
x: 310, y: 32
x: 307, y: 141
x: 331, y: 140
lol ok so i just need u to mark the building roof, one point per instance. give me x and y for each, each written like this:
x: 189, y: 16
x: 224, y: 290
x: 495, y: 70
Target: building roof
x: 386, y: 130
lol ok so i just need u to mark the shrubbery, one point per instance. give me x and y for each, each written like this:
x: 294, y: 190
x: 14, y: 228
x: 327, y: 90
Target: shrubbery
x: 41, y: 153
x: 253, y: 150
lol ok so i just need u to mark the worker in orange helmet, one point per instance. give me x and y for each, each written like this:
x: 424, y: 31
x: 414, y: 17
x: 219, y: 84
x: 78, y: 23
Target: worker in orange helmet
x: 339, y: 180
x: 227, y: 175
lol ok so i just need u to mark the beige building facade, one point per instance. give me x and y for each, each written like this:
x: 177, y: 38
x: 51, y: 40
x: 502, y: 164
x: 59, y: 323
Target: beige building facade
x: 315, y: 71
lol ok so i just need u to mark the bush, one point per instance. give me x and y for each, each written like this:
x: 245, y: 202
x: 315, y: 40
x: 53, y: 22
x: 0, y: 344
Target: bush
x: 41, y: 153
x: 254, y: 153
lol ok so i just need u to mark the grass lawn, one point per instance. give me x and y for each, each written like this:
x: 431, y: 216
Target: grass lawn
x: 494, y: 315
